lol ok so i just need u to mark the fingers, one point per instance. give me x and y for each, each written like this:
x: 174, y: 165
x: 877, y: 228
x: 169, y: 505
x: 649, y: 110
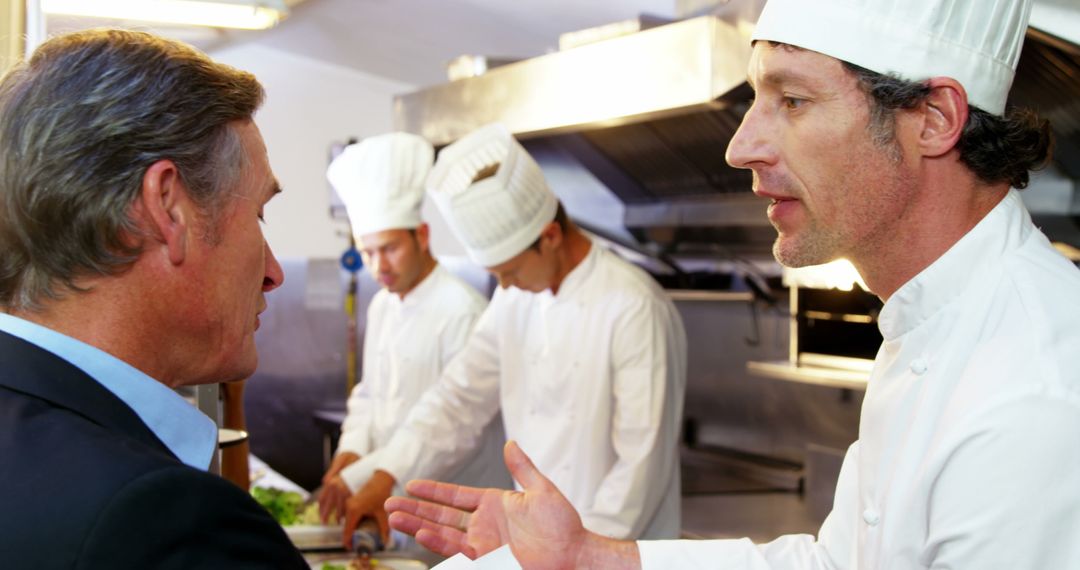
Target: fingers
x: 437, y: 538
x: 405, y: 522
x: 381, y: 519
x: 326, y: 503
x: 352, y: 520
x: 322, y: 505
x: 439, y: 514
x: 394, y: 504
x: 332, y: 499
x: 445, y: 541
x: 458, y: 496
x: 522, y: 469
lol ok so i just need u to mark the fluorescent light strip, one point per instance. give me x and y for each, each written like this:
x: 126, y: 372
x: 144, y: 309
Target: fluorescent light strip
x: 187, y: 12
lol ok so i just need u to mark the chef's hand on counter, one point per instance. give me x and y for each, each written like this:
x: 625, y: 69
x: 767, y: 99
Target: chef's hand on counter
x: 539, y: 523
x: 334, y: 489
x: 368, y: 503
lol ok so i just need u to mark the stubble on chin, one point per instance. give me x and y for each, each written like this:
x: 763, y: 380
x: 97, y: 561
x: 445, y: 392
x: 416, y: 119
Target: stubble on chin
x: 810, y: 246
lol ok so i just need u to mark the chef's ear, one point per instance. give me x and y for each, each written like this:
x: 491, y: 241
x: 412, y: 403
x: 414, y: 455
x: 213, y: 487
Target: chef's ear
x: 423, y: 236
x: 552, y: 234
x: 944, y: 115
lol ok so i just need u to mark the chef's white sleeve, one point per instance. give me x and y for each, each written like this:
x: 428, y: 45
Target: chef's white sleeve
x: 356, y: 429
x: 445, y: 425
x: 454, y: 336
x: 648, y: 358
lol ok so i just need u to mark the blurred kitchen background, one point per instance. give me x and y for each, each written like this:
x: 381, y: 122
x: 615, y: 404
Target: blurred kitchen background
x: 628, y: 106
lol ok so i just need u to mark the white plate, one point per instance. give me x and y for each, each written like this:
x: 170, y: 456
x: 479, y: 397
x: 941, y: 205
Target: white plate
x: 389, y: 563
x: 314, y: 537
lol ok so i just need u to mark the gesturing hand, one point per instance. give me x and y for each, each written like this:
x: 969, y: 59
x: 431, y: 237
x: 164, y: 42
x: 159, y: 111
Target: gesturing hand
x: 539, y: 523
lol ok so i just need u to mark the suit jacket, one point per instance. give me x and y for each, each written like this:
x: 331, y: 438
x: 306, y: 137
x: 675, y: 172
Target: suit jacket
x: 84, y: 483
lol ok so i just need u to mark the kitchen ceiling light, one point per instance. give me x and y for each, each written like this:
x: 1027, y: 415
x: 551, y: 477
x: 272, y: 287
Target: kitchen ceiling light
x: 244, y: 15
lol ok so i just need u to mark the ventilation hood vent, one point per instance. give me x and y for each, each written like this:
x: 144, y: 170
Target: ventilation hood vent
x: 668, y: 70
x: 639, y: 124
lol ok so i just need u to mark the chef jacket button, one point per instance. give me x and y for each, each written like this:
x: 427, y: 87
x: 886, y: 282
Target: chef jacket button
x: 871, y: 517
x: 918, y: 366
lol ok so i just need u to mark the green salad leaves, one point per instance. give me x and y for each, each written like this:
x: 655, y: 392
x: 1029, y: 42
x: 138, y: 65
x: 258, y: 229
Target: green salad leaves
x: 284, y: 506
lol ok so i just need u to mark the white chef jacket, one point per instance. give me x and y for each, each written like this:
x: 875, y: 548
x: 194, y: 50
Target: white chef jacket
x: 590, y: 382
x: 407, y: 343
x: 969, y: 440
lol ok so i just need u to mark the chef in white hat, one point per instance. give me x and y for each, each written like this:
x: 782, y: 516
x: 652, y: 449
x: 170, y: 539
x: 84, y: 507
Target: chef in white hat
x: 880, y: 133
x: 582, y: 352
x: 416, y: 323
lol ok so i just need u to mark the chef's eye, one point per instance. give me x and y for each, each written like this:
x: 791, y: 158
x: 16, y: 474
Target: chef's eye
x: 793, y: 103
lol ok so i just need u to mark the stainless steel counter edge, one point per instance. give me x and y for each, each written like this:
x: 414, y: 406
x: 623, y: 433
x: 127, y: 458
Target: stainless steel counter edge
x: 697, y: 295
x: 816, y: 375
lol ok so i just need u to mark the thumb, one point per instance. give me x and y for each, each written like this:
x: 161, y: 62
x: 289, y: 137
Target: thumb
x: 383, y: 520
x: 352, y: 520
x: 522, y: 469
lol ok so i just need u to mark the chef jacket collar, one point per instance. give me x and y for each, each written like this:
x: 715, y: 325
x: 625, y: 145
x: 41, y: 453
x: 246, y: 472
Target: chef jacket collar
x: 971, y: 259
x: 424, y: 289
x: 577, y: 275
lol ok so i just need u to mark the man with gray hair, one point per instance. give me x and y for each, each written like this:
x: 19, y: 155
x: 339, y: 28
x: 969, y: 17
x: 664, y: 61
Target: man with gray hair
x: 879, y: 133
x: 132, y: 186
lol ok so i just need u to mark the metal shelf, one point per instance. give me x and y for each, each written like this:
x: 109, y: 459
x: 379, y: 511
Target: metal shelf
x: 846, y: 378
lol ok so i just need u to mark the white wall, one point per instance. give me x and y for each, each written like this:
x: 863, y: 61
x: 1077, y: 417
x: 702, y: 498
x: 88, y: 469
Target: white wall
x: 309, y: 104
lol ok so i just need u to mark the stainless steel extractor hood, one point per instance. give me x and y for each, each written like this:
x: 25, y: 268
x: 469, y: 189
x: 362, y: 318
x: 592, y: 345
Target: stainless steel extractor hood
x: 664, y: 71
x: 646, y: 118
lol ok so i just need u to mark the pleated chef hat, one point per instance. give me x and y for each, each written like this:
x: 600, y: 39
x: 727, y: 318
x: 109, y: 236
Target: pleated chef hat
x: 976, y: 42
x: 499, y: 216
x: 381, y: 181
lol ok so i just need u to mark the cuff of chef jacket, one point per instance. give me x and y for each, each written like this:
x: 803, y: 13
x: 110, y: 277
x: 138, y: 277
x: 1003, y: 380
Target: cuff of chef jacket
x: 377, y: 460
x: 358, y: 473
x: 695, y: 554
x: 351, y: 441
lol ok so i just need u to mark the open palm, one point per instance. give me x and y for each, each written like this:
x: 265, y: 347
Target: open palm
x: 541, y: 526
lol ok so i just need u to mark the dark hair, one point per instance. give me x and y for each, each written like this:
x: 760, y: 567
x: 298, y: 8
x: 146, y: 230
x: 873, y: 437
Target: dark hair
x: 561, y: 219
x: 997, y: 149
x: 80, y: 123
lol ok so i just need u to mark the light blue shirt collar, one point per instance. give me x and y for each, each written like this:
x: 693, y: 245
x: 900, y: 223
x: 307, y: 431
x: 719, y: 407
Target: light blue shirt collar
x: 187, y: 432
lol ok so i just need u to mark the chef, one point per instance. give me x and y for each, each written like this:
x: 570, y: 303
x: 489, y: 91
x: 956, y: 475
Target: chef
x: 880, y: 133
x: 583, y: 353
x: 416, y: 323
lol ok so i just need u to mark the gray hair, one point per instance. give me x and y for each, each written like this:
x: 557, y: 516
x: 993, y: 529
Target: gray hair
x: 80, y: 123
x: 995, y: 148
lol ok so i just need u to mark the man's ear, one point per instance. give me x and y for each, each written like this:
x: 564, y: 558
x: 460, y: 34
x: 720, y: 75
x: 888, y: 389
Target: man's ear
x: 423, y: 236
x: 944, y: 115
x: 552, y: 234
x: 166, y: 209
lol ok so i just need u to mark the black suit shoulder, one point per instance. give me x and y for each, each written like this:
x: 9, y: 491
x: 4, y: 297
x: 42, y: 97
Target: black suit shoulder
x: 179, y: 517
x: 85, y: 484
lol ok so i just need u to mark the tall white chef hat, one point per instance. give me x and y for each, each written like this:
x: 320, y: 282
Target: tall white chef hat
x: 976, y: 42
x: 381, y: 181
x: 495, y: 217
